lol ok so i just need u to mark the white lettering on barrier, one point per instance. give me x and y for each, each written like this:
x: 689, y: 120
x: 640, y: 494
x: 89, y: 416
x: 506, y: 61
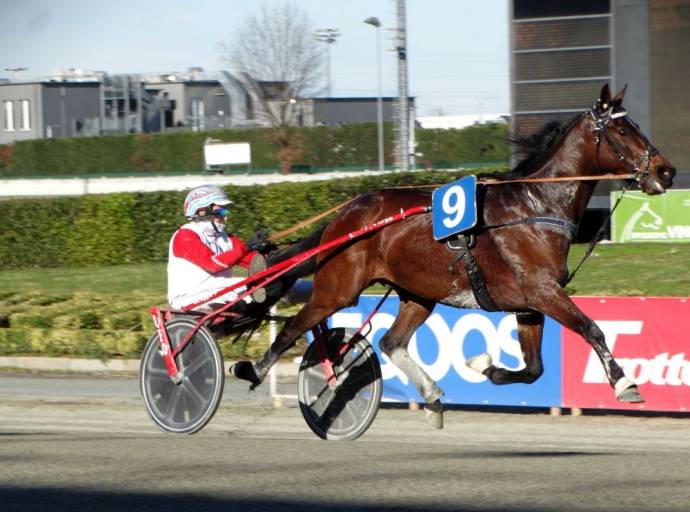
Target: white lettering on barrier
x: 594, y: 371
x: 450, y: 343
x: 662, y: 370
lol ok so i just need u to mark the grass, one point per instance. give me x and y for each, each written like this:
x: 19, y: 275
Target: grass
x: 653, y: 270
x: 102, y: 312
x: 146, y: 278
x: 613, y: 269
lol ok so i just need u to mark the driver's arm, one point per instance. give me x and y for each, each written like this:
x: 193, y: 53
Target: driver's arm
x: 186, y: 244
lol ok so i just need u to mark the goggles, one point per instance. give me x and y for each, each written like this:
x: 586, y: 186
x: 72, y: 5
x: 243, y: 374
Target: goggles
x: 220, y: 212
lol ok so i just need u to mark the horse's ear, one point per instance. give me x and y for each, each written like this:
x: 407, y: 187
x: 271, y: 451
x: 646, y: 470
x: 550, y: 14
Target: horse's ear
x: 604, y: 101
x: 619, y: 97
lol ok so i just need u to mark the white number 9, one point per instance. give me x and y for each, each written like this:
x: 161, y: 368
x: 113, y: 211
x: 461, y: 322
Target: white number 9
x: 453, y: 205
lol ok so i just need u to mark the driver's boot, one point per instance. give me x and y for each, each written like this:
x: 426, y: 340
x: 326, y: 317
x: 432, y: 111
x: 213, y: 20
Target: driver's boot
x: 256, y: 265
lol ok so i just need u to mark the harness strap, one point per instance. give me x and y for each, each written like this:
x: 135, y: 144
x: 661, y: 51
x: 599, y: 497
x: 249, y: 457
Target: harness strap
x: 568, y: 227
x: 474, y: 274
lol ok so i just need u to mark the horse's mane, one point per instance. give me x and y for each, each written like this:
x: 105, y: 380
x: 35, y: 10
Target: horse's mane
x: 535, y: 147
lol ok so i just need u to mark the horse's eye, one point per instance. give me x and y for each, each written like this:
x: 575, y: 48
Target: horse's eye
x: 622, y: 131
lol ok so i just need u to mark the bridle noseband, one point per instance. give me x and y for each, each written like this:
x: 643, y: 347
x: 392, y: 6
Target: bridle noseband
x: 639, y: 167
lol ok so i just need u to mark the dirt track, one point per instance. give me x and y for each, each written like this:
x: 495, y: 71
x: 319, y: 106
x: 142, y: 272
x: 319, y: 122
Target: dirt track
x: 97, y: 450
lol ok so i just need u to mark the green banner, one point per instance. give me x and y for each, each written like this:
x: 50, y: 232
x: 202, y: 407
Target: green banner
x: 643, y: 218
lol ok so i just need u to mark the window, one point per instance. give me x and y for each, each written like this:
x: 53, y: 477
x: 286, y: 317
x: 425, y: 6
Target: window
x: 26, y: 119
x: 9, y: 116
x: 198, y: 120
x: 547, y: 8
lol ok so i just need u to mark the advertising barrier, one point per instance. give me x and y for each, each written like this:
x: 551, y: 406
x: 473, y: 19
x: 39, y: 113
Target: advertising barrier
x: 446, y: 340
x: 648, y: 337
x: 643, y: 218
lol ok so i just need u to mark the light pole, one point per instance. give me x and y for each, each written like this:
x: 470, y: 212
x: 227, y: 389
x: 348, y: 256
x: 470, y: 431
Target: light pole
x: 374, y: 22
x: 15, y: 72
x: 328, y: 36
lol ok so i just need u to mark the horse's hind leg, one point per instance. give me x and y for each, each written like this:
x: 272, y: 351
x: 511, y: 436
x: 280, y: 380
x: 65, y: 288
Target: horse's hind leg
x: 313, y: 313
x: 530, y: 330
x: 333, y: 290
x: 411, y: 315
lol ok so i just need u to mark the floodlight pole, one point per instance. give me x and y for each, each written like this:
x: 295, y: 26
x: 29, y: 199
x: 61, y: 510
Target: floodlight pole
x: 328, y: 36
x: 374, y: 22
x: 403, y: 95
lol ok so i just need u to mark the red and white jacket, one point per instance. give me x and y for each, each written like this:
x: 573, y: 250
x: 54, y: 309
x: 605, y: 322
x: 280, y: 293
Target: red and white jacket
x: 200, y: 262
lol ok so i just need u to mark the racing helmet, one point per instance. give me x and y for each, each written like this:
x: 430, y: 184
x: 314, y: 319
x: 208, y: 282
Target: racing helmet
x: 203, y: 197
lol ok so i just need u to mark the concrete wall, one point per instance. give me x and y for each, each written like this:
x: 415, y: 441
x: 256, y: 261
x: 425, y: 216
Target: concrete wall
x: 631, y: 58
x: 79, y: 186
x: 669, y: 44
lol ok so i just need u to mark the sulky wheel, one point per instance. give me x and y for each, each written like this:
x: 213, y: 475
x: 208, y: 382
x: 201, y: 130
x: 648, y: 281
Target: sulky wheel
x: 186, y: 407
x: 346, y: 410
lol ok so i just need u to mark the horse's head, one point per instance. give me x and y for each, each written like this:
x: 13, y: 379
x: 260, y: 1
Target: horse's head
x: 622, y: 148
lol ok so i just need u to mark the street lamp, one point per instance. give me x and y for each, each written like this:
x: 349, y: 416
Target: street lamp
x: 15, y: 71
x: 374, y: 22
x: 328, y: 36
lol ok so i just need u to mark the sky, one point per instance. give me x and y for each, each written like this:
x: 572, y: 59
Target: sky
x: 457, y: 49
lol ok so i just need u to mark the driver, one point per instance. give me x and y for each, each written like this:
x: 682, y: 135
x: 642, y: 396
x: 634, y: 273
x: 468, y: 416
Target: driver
x: 202, y: 254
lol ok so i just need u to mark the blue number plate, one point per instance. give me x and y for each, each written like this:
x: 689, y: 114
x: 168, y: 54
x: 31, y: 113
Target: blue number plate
x: 454, y: 207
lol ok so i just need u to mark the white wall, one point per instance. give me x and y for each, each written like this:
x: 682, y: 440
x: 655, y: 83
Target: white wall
x: 80, y: 186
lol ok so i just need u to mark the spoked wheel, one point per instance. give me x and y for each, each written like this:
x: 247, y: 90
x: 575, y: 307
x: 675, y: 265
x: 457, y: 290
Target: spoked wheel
x: 186, y: 407
x: 347, y: 409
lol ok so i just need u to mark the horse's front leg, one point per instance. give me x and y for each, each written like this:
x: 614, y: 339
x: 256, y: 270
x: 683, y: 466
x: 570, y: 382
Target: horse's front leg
x: 530, y: 330
x: 554, y: 302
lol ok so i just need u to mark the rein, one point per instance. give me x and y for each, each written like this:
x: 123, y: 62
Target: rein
x: 639, y: 168
x: 305, y: 223
x: 597, y: 238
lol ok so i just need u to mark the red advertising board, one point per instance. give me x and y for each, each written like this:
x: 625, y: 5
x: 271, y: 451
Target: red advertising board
x: 650, y: 339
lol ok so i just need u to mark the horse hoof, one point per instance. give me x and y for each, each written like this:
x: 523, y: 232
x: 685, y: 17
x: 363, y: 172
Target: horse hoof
x: 245, y: 370
x: 480, y: 363
x: 433, y: 414
x: 631, y: 395
x: 626, y: 391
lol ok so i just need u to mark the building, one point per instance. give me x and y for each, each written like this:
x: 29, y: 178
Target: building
x: 159, y: 102
x: 75, y: 103
x: 563, y: 52
x: 45, y: 109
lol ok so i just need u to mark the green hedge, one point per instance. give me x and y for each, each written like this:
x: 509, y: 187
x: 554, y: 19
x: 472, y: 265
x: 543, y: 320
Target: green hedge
x: 322, y: 146
x: 113, y: 229
x: 92, y: 325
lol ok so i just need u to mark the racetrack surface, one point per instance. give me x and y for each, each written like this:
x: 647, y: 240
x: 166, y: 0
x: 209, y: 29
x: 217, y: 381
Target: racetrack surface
x: 87, y: 444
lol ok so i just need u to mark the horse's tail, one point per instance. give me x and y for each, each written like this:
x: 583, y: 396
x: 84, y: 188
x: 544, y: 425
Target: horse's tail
x: 279, y: 287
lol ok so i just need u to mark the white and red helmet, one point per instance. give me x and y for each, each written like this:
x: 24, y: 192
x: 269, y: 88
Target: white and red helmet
x: 202, y: 198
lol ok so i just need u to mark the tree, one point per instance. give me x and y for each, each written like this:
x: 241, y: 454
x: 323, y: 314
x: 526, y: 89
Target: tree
x: 278, y: 62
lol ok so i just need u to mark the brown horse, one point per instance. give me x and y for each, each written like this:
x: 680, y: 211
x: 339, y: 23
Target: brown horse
x: 522, y: 242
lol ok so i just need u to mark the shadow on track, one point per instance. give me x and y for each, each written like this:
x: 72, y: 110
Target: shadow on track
x: 59, y: 500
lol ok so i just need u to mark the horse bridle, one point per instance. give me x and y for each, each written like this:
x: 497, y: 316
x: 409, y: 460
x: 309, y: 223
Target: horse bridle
x: 639, y: 167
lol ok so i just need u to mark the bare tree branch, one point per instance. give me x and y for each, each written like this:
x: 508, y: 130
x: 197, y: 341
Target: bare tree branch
x: 278, y: 61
